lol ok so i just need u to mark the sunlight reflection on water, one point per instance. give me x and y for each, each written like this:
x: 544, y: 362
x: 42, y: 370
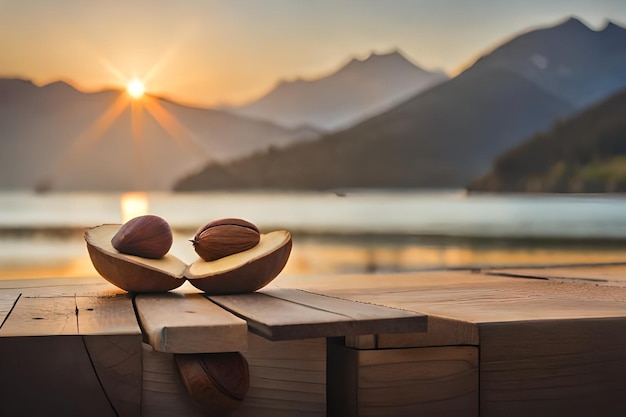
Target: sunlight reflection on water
x: 315, y: 255
x: 41, y: 235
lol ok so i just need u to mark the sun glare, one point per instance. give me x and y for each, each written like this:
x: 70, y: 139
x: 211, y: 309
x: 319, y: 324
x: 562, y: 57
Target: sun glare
x: 135, y: 88
x: 133, y: 204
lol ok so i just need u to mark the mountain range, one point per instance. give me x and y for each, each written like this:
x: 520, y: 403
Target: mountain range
x: 445, y: 134
x: 451, y: 133
x: 58, y: 138
x: 586, y: 153
x: 358, y: 90
x: 570, y: 60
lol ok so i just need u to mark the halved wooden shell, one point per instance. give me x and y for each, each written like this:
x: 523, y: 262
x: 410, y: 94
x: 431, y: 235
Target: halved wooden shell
x: 245, y: 271
x: 217, y: 382
x: 130, y: 272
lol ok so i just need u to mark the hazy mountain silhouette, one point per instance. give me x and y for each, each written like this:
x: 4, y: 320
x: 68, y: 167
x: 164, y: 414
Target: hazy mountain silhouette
x: 439, y: 139
x: 360, y: 89
x: 586, y: 153
x: 569, y: 60
x: 60, y: 138
x: 450, y: 133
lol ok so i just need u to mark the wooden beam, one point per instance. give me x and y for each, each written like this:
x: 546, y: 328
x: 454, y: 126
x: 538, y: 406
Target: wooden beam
x: 50, y: 376
x: 553, y: 367
x: 287, y: 378
x: 287, y: 314
x: 84, y: 346
x: 106, y: 316
x: 117, y: 362
x: 612, y: 274
x: 189, y: 323
x: 7, y: 301
x: 58, y: 287
x: 42, y: 317
x: 437, y: 381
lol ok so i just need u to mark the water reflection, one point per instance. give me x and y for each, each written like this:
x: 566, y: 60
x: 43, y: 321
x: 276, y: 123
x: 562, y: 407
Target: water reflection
x: 42, y: 255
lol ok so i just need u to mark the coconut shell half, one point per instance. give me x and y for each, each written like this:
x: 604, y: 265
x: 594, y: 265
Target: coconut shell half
x: 245, y: 271
x: 129, y: 272
x: 217, y: 382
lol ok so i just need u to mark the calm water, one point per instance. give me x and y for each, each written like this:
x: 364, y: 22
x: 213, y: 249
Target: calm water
x: 41, y: 235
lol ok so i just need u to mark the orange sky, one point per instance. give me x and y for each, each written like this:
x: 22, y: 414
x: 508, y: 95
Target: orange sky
x: 207, y: 53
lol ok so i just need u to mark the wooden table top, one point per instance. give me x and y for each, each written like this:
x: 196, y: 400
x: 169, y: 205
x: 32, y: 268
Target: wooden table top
x: 305, y: 307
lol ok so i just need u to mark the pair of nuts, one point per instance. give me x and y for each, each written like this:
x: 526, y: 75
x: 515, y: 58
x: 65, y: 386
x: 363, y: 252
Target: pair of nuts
x: 150, y: 237
x: 256, y: 259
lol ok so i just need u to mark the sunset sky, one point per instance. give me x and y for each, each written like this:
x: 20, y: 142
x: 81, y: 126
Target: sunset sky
x: 207, y: 53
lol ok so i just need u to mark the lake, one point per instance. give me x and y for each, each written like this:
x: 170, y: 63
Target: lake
x: 347, y: 232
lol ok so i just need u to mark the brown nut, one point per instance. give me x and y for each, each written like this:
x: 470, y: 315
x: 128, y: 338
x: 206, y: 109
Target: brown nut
x: 224, y: 237
x: 146, y: 236
x: 217, y: 382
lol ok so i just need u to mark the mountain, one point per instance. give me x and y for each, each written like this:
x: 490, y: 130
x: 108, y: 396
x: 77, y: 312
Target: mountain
x: 586, y: 153
x: 569, y: 60
x: 56, y: 137
x: 448, y: 134
x: 437, y: 139
x: 360, y: 89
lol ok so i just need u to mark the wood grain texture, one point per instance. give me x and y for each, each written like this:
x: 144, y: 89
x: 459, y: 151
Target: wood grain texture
x: 189, y: 323
x: 287, y: 378
x: 441, y: 332
x: 288, y: 314
x: 163, y: 394
x: 438, y: 381
x: 7, y: 301
x: 117, y: 361
x: 613, y: 274
x: 475, y: 298
x: 106, y: 316
x: 49, y: 376
x: 553, y: 368
x: 58, y: 287
x: 42, y: 317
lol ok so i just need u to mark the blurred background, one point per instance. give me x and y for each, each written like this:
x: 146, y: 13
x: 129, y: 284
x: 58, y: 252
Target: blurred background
x: 386, y: 136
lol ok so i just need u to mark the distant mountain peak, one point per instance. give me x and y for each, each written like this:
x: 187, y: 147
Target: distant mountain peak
x: 394, y: 53
x: 374, y: 57
x: 359, y: 89
x: 613, y: 27
x: 59, y: 86
x: 573, y: 21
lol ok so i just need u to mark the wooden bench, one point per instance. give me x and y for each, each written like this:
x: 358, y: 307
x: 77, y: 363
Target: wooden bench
x: 489, y: 343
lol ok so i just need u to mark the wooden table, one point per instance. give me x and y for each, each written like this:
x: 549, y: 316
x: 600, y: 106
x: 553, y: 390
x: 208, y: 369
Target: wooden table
x: 540, y: 342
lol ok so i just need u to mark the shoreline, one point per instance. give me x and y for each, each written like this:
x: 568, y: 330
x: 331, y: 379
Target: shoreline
x: 550, y: 240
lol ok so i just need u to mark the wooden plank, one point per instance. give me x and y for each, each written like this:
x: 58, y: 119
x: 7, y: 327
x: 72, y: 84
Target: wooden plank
x: 287, y: 314
x: 60, y: 287
x: 163, y: 394
x: 342, y: 376
x: 553, y: 367
x: 189, y: 323
x: 49, y: 376
x: 117, y: 361
x: 48, y: 282
x: 42, y: 317
x: 602, y: 274
x: 475, y: 298
x: 437, y: 381
x: 106, y: 316
x: 7, y: 301
x: 441, y: 332
x: 287, y: 378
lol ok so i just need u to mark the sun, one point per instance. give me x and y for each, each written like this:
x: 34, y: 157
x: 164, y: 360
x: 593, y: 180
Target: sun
x: 135, y: 88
